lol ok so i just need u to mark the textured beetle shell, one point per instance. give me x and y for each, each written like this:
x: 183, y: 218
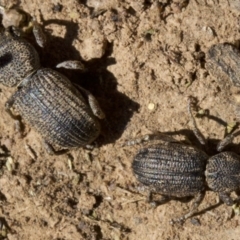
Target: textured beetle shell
x: 18, y: 59
x: 171, y: 169
x: 223, y: 62
x: 56, y: 109
x: 223, y: 172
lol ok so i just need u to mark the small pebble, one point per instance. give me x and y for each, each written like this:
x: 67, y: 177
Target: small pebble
x: 151, y: 106
x: 195, y: 222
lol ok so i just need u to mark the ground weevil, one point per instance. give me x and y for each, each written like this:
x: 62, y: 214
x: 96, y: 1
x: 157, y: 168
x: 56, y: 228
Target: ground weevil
x: 173, y: 169
x: 223, y: 62
x: 46, y: 99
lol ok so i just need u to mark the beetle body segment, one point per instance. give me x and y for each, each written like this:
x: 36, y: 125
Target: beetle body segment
x: 18, y: 59
x: 172, y: 169
x: 56, y: 109
x: 223, y: 172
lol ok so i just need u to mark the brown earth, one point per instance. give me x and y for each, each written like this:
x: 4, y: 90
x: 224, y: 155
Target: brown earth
x: 137, y: 53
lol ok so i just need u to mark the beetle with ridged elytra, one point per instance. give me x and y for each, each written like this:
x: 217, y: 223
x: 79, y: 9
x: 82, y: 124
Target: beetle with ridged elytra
x: 66, y: 116
x: 173, y: 169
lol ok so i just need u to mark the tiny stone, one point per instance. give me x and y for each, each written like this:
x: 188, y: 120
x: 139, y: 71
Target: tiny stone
x: 151, y: 106
x: 236, y: 209
x: 57, y: 8
x: 30, y: 151
x: 231, y: 126
x: 195, y: 222
x: 10, y: 164
x: 237, y: 98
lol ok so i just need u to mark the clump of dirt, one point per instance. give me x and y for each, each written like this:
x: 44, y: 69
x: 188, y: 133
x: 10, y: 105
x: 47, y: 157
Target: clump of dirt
x: 144, y: 58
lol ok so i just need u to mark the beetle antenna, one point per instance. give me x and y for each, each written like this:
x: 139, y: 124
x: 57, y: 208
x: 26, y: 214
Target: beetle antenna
x: 196, y: 131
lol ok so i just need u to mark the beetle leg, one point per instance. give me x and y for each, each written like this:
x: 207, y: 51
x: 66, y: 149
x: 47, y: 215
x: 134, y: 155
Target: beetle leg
x: 16, y: 31
x: 227, y: 140
x: 97, y: 111
x: 49, y: 148
x: 91, y: 146
x: 8, y: 106
x: 225, y: 197
x: 196, y: 131
x: 72, y: 64
x: 51, y: 151
x: 160, y: 201
x: 196, y: 202
x: 38, y: 33
x: 93, y: 103
x: 224, y: 142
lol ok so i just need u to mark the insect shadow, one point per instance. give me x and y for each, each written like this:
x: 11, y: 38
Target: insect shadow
x: 97, y: 79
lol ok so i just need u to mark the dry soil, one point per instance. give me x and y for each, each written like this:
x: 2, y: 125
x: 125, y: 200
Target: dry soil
x: 143, y: 59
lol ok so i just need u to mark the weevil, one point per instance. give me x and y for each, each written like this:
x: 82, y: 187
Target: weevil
x: 174, y: 169
x: 65, y: 115
x: 223, y: 62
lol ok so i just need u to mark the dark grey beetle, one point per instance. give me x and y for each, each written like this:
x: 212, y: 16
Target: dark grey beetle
x: 45, y: 98
x: 177, y: 170
x: 223, y: 62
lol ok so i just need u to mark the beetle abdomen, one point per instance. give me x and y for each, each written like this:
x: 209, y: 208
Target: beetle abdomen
x: 172, y: 169
x: 57, y: 110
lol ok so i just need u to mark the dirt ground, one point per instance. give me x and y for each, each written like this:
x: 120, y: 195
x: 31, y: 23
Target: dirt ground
x: 144, y: 58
